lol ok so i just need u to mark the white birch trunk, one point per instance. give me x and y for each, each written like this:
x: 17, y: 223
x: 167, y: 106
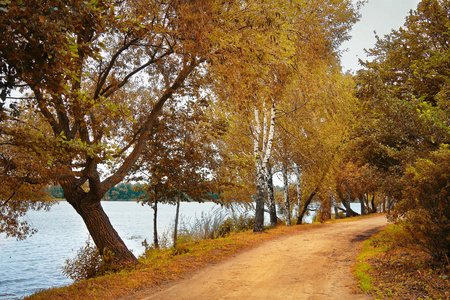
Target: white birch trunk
x: 261, y: 160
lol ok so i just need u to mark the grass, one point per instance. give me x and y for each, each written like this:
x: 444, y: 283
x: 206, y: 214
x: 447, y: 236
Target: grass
x: 389, y: 272
x: 160, y: 266
x: 362, y: 267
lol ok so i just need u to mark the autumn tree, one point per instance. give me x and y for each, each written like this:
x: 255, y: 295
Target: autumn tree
x: 404, y: 91
x: 180, y: 160
x: 317, y: 30
x: 313, y: 118
x: 426, y: 204
x: 95, y: 76
x: 404, y: 121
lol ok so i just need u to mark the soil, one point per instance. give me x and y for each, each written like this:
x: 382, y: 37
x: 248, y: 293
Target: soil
x: 313, y: 264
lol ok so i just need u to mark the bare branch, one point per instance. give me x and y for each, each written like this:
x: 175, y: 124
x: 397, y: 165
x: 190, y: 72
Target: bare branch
x: 110, y: 66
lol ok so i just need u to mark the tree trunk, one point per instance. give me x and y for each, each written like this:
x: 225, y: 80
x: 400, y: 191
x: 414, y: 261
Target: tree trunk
x: 333, y: 201
x: 103, y: 234
x: 175, y: 230
x: 105, y: 237
x: 346, y: 202
x: 262, y: 156
x: 299, y: 191
x: 259, y: 213
x: 363, y: 206
x: 305, y: 208
x: 287, y: 206
x: 270, y: 197
x: 155, y: 224
x: 372, y: 202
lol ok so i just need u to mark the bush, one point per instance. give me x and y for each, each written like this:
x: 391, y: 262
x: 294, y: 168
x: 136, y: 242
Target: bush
x: 85, y: 264
x: 234, y: 223
x: 88, y: 263
x: 424, y: 212
x: 214, y: 224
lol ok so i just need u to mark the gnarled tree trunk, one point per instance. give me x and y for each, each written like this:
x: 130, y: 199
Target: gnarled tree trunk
x: 105, y: 237
x: 305, y: 208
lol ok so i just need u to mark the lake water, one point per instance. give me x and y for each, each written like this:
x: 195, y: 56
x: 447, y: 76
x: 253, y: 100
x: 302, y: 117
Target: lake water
x: 36, y: 263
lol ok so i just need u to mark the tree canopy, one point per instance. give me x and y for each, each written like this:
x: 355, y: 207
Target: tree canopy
x: 403, y: 128
x: 94, y: 77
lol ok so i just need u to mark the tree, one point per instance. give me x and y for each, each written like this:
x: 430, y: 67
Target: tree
x: 77, y: 63
x: 181, y: 159
x: 425, y: 205
x: 404, y: 91
x: 263, y: 140
x: 317, y: 30
x: 404, y: 120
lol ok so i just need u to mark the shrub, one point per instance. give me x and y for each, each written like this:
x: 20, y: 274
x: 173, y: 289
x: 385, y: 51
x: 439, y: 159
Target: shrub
x: 85, y: 264
x: 235, y: 223
x: 424, y: 212
x: 88, y: 263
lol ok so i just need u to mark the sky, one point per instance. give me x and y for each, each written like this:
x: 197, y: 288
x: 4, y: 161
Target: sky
x: 377, y: 15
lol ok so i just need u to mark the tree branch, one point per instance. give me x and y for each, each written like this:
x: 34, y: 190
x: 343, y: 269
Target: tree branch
x: 114, y: 179
x: 106, y: 72
x: 4, y: 203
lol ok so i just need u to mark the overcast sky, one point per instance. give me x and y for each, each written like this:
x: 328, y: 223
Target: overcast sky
x: 377, y: 15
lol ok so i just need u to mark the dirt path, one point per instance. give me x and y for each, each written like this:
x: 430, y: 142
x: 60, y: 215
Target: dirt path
x: 314, y: 264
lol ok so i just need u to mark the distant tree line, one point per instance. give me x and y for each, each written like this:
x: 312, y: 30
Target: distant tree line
x: 121, y: 192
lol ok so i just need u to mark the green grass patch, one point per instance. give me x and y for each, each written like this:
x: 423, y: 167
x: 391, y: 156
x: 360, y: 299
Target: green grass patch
x: 362, y: 267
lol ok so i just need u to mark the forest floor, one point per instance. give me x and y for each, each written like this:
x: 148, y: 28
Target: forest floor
x: 313, y: 264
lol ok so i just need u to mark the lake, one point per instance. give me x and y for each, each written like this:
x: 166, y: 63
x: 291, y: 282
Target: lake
x: 36, y: 263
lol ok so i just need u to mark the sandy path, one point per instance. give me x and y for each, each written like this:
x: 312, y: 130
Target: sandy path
x: 314, y: 264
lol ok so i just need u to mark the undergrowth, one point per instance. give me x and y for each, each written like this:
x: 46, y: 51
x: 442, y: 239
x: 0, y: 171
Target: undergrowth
x: 389, y: 269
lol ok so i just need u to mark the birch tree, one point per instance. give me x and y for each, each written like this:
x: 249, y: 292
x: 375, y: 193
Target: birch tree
x: 298, y: 177
x: 262, y: 147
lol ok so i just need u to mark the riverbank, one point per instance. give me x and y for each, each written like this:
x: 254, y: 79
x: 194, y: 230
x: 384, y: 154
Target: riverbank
x: 163, y: 267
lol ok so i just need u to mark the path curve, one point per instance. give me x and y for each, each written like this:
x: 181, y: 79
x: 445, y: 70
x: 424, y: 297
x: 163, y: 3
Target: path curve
x: 313, y: 264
